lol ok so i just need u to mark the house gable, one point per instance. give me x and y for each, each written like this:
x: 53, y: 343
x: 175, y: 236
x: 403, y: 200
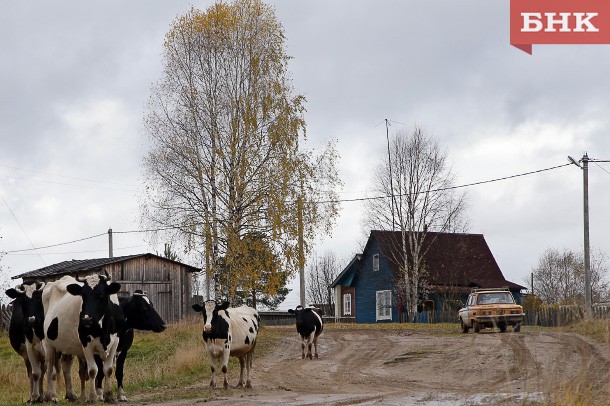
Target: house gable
x: 369, y: 282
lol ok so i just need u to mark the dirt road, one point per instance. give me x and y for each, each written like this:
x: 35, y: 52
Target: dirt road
x: 402, y: 367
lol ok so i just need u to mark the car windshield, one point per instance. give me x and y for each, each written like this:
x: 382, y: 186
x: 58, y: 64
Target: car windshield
x: 495, y: 298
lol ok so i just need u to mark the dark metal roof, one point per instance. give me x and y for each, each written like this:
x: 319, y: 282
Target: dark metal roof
x: 451, y: 259
x: 81, y: 265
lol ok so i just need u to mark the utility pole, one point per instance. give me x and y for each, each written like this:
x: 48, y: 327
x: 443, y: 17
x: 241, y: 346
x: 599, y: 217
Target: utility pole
x: 110, y: 243
x: 301, y: 254
x: 585, y: 186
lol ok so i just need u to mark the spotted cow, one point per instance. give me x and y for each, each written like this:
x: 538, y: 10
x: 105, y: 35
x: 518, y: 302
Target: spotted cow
x: 134, y: 312
x: 26, y: 333
x: 309, y: 327
x: 79, y: 322
x: 229, y: 332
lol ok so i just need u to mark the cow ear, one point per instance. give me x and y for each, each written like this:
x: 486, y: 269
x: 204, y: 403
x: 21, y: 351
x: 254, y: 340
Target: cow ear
x: 75, y: 289
x: 291, y: 311
x: 113, y: 288
x: 224, y: 306
x: 12, y: 293
x: 197, y: 307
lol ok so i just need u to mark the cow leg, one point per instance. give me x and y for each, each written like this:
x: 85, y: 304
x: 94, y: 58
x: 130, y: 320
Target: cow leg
x: 225, y: 362
x: 249, y: 356
x: 66, y: 367
x: 315, y: 345
x: 43, y: 370
x: 242, y: 366
x: 99, y: 378
x: 91, y: 374
x: 36, y: 373
x: 309, y: 341
x: 303, y: 347
x: 51, y: 361
x: 108, y: 370
x: 213, y: 365
x: 82, y: 374
x: 28, y: 370
x: 38, y: 377
x: 120, y: 362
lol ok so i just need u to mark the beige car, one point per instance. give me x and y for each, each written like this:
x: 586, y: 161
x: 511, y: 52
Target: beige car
x: 490, y: 308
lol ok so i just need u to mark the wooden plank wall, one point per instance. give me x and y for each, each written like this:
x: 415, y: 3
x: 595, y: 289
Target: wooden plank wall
x: 166, y: 284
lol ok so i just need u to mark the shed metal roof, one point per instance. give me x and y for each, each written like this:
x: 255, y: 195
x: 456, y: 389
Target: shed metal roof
x: 81, y: 265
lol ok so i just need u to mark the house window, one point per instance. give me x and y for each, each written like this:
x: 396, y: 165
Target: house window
x: 347, y: 304
x: 376, y: 262
x: 384, y: 305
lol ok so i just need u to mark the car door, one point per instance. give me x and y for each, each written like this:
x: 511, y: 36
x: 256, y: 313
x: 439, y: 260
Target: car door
x: 465, y: 314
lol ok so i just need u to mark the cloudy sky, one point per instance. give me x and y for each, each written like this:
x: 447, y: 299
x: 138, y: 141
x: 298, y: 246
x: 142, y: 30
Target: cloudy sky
x: 75, y: 77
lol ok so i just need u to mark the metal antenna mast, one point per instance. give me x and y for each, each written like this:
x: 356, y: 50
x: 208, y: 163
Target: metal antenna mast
x: 387, y: 135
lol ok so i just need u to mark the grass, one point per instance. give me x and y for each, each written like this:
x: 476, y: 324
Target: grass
x: 598, y: 330
x: 168, y: 365
x: 434, y: 329
x: 174, y: 365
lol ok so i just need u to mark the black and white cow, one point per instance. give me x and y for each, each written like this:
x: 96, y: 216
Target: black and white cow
x: 229, y: 332
x: 134, y: 312
x: 79, y: 321
x: 309, y: 327
x: 26, y: 333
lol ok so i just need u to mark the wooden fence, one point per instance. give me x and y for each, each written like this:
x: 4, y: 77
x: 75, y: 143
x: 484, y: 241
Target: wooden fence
x: 6, y: 311
x: 555, y: 316
x: 285, y: 318
x: 547, y: 316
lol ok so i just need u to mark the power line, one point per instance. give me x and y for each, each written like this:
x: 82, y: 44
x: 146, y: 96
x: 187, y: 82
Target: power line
x: 68, y: 184
x: 359, y: 199
x: 55, y: 245
x: 85, y: 251
x: 601, y: 167
x: 66, y: 177
x: 22, y: 229
x: 315, y: 202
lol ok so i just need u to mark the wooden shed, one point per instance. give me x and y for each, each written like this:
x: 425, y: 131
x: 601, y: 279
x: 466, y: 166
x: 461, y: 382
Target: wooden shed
x: 167, y: 283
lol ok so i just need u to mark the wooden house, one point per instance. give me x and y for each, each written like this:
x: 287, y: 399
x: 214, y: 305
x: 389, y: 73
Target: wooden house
x: 454, y: 263
x: 167, y: 283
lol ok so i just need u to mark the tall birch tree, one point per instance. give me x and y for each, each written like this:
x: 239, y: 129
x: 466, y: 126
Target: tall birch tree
x: 418, y: 198
x: 226, y: 128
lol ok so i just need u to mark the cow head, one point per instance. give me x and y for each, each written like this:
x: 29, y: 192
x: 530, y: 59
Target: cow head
x: 300, y: 312
x: 141, y: 314
x: 28, y: 298
x: 95, y: 293
x: 210, y: 310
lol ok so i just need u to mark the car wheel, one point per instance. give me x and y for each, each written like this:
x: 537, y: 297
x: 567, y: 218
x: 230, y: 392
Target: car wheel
x: 465, y: 328
x: 475, y: 327
x: 517, y: 327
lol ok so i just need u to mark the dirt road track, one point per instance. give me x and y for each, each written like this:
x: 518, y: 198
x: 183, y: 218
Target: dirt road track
x: 403, y: 367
